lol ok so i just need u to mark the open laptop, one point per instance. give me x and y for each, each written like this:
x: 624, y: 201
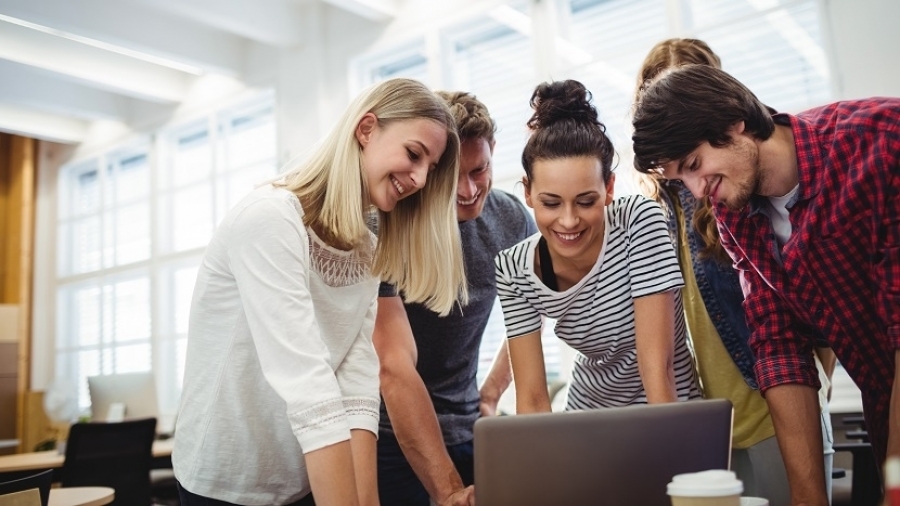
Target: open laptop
x: 610, y: 457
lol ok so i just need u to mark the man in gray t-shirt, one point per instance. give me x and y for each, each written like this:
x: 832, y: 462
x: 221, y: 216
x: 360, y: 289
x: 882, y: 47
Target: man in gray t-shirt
x: 430, y: 399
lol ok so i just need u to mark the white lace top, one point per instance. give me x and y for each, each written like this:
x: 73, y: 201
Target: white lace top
x: 279, y: 359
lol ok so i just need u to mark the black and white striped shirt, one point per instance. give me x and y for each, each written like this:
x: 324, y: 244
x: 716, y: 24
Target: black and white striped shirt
x: 596, y: 316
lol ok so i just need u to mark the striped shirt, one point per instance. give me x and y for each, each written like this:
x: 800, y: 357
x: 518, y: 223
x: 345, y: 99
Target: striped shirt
x: 596, y: 316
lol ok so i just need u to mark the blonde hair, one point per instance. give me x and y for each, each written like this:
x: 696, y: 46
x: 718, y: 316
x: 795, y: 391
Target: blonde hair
x: 663, y: 56
x: 419, y: 249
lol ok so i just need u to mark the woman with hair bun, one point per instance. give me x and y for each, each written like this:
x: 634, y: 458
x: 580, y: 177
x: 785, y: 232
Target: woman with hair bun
x: 603, y: 268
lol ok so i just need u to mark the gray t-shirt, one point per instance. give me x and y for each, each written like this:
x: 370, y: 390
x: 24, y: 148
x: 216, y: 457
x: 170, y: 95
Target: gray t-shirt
x: 448, y: 346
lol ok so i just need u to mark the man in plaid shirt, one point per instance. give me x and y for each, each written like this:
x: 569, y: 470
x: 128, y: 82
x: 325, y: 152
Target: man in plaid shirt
x: 808, y: 207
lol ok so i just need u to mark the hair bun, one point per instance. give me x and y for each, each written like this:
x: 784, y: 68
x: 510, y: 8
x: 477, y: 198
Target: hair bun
x: 561, y: 101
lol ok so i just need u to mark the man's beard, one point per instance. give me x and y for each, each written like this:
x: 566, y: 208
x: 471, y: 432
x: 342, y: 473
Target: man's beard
x: 744, y: 192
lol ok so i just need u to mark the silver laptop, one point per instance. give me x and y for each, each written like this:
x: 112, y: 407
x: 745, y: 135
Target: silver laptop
x: 610, y: 457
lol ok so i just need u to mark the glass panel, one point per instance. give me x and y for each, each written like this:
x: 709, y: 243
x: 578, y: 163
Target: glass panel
x: 133, y: 358
x: 193, y: 160
x: 233, y: 187
x: 86, y: 316
x: 64, y: 249
x: 251, y: 138
x: 132, y: 179
x: 493, y: 59
x: 87, y: 192
x: 414, y: 66
x: 133, y: 233
x: 191, y: 219
x: 109, y: 239
x: 701, y: 14
x: 132, y: 310
x: 780, y: 56
x: 86, y: 239
x: 184, y: 290
x: 605, y: 28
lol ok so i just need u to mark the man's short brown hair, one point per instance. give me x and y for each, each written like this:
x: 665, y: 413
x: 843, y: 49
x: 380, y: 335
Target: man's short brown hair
x: 473, y: 121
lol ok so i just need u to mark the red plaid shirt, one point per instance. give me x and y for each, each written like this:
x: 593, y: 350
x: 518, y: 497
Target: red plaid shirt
x: 837, y: 278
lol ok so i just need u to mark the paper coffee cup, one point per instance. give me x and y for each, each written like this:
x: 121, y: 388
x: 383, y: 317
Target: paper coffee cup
x: 706, y: 488
x: 754, y: 501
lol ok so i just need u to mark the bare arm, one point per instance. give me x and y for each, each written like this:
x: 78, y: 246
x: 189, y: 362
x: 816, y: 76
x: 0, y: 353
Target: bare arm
x: 496, y: 382
x: 408, y: 404
x: 654, y: 326
x: 328, y: 476
x: 362, y: 445
x: 795, y: 414
x: 527, y: 358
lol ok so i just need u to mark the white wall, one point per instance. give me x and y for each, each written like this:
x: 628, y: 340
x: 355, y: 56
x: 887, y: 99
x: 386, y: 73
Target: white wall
x: 866, y: 45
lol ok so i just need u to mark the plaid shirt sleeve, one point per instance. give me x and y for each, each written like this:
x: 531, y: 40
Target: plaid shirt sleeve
x: 783, y: 353
x: 887, y: 270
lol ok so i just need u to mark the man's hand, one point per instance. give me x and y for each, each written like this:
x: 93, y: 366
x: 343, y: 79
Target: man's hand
x: 487, y: 407
x: 462, y: 497
x: 496, y: 383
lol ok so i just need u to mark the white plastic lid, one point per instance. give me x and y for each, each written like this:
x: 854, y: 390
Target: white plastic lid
x: 713, y: 483
x: 892, y: 472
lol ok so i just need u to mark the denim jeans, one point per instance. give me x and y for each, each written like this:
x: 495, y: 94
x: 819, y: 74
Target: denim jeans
x: 191, y: 499
x: 398, y: 483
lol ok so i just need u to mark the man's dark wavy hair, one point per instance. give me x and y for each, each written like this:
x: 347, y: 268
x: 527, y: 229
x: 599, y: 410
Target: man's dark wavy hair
x: 689, y: 105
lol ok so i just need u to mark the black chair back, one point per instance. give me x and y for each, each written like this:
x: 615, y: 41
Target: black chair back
x: 115, y: 454
x: 40, y: 481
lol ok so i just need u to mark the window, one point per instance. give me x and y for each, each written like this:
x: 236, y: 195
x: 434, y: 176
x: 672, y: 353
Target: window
x: 775, y: 48
x: 408, y: 60
x: 132, y: 227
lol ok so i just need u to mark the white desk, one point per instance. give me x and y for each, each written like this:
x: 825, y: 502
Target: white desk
x: 52, y: 459
x: 81, y: 496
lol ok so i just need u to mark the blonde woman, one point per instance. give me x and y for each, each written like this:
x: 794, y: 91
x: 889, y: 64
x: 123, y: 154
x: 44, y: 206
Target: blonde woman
x: 281, y: 384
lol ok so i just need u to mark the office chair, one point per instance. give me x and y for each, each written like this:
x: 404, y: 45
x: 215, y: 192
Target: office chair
x: 116, y: 455
x: 40, y: 481
x: 866, y: 486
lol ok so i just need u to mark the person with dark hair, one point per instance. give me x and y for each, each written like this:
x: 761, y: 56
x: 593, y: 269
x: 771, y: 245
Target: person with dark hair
x: 807, y: 208
x: 715, y: 316
x: 603, y: 268
x: 428, y: 362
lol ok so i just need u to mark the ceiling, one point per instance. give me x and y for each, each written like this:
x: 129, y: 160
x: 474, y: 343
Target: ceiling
x: 67, y: 63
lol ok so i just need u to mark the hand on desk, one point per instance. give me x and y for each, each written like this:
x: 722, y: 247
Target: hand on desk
x: 462, y: 497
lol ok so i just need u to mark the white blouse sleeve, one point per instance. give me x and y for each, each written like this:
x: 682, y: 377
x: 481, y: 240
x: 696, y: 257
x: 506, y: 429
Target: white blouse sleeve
x: 269, y: 258
x: 358, y: 378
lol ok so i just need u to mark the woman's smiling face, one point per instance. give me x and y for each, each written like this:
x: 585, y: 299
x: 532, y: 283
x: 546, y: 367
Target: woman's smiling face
x: 569, y: 198
x: 397, y: 156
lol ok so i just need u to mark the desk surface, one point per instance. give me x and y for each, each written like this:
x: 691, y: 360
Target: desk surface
x: 81, y: 496
x: 52, y: 459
